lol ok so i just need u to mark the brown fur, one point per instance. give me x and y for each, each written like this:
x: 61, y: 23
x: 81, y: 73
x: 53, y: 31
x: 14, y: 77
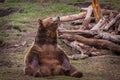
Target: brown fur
x: 45, y: 58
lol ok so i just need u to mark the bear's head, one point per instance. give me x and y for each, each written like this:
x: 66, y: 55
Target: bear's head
x: 47, y: 30
x: 49, y: 23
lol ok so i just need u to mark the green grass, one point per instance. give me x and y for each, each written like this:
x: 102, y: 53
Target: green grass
x: 45, y: 1
x: 3, y: 36
x: 12, y: 63
x: 115, y: 3
x: 33, y: 12
x: 96, y: 68
x: 36, y: 10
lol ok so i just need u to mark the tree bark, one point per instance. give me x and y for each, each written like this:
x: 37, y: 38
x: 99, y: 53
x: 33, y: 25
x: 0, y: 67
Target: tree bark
x: 97, y: 10
x: 104, y: 11
x: 92, y: 42
x: 80, y: 21
x: 84, y: 49
x: 87, y: 18
x: 112, y: 22
x: 97, y: 34
x: 79, y: 32
x: 77, y: 22
x: 119, y: 28
x: 107, y: 12
x: 73, y: 45
x: 108, y: 36
x: 89, y: 50
x: 72, y: 17
x: 99, y: 24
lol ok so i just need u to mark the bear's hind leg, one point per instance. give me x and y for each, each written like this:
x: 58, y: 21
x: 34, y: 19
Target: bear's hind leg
x: 58, y: 70
x: 33, y: 68
x: 75, y: 73
x: 28, y: 71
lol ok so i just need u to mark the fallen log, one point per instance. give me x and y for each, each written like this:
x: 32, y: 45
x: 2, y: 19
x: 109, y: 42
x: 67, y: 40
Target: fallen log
x: 107, y: 11
x: 99, y: 24
x: 114, y: 29
x: 72, y: 17
x: 92, y: 42
x: 72, y: 45
x: 87, y: 18
x: 90, y: 33
x: 111, y: 22
x: 88, y: 50
x: 76, y: 47
x: 119, y: 28
x: 104, y: 11
x: 80, y: 21
x: 108, y: 19
x: 84, y: 49
x: 79, y: 32
x: 77, y: 22
x: 108, y: 36
x: 84, y: 9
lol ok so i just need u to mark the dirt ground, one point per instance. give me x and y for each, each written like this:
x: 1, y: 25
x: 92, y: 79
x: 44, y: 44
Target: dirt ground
x: 105, y: 67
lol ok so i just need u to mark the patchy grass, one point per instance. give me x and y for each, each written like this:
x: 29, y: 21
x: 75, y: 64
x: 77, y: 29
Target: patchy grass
x: 12, y: 65
x: 45, y: 1
x: 115, y: 3
x: 31, y: 12
x: 99, y: 68
x: 96, y: 68
x: 11, y: 60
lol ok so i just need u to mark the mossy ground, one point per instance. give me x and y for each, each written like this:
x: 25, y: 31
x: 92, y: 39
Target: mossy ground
x: 95, y: 68
x: 19, y: 28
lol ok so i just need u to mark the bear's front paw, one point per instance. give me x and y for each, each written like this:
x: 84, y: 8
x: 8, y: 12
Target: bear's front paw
x: 28, y: 71
x: 77, y: 74
x: 37, y: 74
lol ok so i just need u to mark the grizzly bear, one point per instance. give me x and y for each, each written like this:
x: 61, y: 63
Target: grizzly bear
x: 45, y: 58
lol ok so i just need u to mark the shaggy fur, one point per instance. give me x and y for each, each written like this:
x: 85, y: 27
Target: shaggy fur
x: 45, y: 58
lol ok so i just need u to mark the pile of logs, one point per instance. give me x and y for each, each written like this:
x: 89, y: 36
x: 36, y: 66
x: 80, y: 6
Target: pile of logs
x: 95, y: 32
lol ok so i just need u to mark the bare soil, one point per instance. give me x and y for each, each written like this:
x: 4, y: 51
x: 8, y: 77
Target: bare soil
x: 105, y: 67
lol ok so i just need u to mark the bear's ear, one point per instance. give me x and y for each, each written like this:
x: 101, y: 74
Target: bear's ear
x: 40, y: 21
